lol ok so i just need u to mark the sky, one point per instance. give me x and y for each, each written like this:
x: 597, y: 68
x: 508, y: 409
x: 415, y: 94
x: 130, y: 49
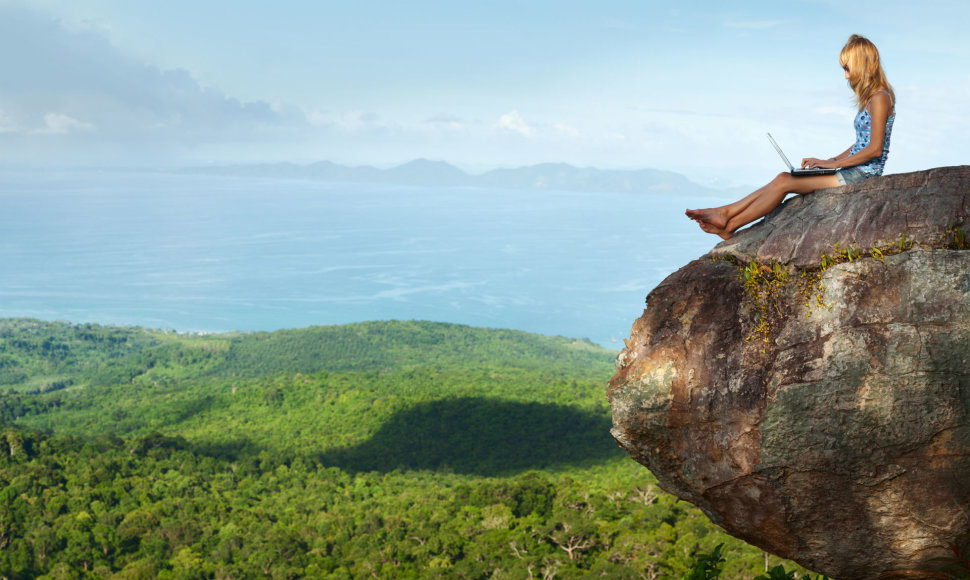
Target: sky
x: 690, y: 87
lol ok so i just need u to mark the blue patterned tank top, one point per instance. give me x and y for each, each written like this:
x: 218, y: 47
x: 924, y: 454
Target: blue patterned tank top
x: 863, y: 133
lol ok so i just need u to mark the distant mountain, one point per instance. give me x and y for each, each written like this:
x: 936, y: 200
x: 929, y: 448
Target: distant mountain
x: 566, y: 177
x: 427, y: 173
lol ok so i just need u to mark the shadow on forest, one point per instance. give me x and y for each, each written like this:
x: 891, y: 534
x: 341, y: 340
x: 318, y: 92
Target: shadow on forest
x: 483, y: 437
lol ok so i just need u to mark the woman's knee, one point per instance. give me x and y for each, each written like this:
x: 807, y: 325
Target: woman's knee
x: 784, y: 181
x: 782, y: 178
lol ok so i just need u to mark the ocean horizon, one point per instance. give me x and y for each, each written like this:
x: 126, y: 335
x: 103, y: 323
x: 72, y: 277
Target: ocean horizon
x: 217, y: 254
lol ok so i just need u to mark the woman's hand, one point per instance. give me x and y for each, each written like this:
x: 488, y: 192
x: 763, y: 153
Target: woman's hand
x: 815, y: 163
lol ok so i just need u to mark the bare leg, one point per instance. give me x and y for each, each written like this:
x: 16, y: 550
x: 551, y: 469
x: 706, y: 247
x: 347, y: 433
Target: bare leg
x: 723, y: 221
x: 719, y: 216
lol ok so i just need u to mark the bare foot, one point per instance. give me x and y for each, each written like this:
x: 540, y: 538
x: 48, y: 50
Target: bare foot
x: 713, y: 216
x: 724, y: 234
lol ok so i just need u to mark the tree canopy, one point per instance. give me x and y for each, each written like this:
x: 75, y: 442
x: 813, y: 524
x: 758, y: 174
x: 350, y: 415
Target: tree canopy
x: 387, y: 449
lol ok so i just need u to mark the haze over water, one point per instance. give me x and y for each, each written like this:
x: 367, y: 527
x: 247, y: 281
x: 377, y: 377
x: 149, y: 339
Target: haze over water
x: 214, y: 254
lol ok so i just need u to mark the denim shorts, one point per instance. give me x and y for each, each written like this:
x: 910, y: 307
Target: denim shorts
x: 848, y: 175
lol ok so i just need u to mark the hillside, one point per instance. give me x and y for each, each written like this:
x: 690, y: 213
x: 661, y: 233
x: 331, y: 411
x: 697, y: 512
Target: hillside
x: 386, y: 449
x: 426, y: 173
x: 260, y: 388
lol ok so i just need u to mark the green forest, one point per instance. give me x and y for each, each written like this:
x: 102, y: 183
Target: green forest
x: 375, y: 450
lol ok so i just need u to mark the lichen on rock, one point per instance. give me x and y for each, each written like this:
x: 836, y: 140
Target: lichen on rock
x: 842, y: 439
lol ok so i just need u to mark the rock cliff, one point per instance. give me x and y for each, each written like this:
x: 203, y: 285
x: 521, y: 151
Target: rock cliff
x: 806, y: 383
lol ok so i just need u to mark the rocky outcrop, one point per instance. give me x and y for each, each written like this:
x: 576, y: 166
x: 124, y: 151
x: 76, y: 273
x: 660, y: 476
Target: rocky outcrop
x: 813, y: 400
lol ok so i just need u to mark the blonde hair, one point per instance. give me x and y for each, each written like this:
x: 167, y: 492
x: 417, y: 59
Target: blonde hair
x: 861, y: 58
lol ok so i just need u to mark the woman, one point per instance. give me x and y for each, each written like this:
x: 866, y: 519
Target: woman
x: 865, y: 159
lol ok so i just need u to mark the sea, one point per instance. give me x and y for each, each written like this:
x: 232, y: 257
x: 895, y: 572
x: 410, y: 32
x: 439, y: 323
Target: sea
x: 213, y: 254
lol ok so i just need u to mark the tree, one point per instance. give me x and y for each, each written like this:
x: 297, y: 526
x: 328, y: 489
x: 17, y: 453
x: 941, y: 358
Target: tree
x: 572, y: 540
x: 706, y: 565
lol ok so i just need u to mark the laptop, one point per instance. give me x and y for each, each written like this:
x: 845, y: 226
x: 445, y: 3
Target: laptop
x: 799, y: 172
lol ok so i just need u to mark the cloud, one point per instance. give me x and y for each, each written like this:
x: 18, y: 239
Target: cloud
x: 60, y: 82
x: 349, y: 122
x: 512, y: 121
x: 59, y: 124
x: 446, y: 121
x: 566, y: 129
x: 7, y: 124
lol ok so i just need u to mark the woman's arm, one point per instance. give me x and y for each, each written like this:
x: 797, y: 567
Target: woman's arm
x: 830, y: 163
x: 879, y: 107
x: 842, y: 155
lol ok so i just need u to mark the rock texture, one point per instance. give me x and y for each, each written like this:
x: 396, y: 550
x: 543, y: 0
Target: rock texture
x: 840, y: 438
